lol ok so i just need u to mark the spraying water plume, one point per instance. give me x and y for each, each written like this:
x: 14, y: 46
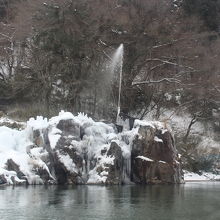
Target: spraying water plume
x: 117, y: 66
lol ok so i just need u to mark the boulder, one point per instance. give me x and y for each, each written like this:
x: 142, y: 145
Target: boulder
x: 69, y: 128
x: 154, y: 158
x: 116, y: 169
x: 12, y: 166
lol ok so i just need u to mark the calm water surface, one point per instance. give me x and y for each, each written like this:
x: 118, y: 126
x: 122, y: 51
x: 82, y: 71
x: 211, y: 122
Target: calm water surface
x: 190, y: 201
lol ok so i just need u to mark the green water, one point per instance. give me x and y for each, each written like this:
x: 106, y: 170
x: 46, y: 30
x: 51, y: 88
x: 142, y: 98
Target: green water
x: 190, y: 201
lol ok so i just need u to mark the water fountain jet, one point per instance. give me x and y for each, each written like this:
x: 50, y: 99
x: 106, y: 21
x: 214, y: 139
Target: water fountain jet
x: 117, y: 64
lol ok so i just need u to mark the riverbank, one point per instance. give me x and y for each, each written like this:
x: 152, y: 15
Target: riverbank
x: 203, y: 177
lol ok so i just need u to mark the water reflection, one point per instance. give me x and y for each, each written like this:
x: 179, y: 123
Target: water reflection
x: 189, y: 201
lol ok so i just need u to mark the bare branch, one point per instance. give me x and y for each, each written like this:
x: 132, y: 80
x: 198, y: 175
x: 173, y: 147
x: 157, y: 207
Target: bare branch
x: 5, y: 36
x: 168, y: 62
x: 167, y: 44
x: 170, y: 80
x: 217, y: 89
x: 2, y: 77
x: 107, y: 55
x: 155, y: 67
x: 192, y: 122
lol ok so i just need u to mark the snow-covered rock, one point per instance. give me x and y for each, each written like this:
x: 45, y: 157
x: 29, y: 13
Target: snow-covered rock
x: 17, y: 164
x: 69, y: 149
x: 155, y: 156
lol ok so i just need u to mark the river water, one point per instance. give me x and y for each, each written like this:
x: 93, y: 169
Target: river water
x: 183, y: 202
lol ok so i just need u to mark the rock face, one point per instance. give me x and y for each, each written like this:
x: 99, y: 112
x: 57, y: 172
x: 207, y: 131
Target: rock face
x: 71, y: 149
x: 115, y: 170
x: 3, y: 180
x: 159, y: 161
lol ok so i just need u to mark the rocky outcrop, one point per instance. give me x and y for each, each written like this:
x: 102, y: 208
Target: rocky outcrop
x: 12, y: 166
x: 154, y: 157
x: 76, y: 150
x: 3, y: 179
x: 115, y: 170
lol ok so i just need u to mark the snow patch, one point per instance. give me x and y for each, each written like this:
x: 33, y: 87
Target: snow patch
x: 67, y: 162
x: 145, y: 158
x: 54, y: 137
x: 158, y: 139
x: 205, y: 176
x: 161, y: 161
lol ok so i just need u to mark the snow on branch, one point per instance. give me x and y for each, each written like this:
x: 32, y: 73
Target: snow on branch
x: 170, y: 80
x: 5, y: 36
x: 167, y: 44
x: 217, y: 89
x: 2, y: 77
x: 169, y: 63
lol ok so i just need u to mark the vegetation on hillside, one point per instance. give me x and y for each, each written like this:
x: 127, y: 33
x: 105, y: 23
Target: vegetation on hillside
x: 55, y: 55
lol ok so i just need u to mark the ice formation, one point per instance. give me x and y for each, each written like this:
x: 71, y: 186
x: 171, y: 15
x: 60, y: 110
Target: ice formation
x: 28, y: 150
